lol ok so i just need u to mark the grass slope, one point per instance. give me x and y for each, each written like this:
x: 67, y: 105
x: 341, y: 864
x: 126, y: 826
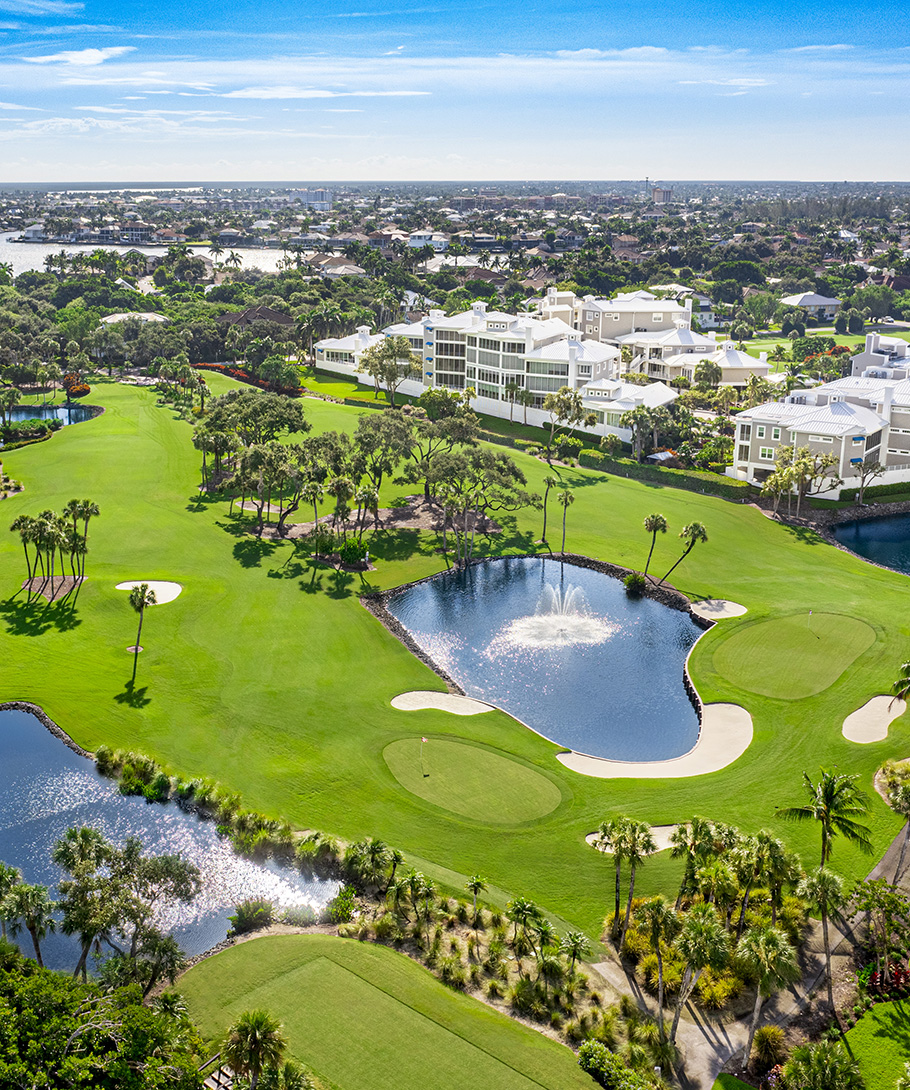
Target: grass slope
x: 268, y: 675
x: 880, y: 1042
x: 362, y: 1015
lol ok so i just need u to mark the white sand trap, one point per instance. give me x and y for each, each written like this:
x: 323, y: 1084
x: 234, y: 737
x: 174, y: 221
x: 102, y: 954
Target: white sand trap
x: 726, y: 734
x: 661, y: 834
x: 164, y: 592
x: 870, y: 722
x: 716, y: 609
x: 419, y: 700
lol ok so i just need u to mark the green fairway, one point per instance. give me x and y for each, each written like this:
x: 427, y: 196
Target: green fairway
x: 471, y: 781
x: 793, y: 657
x: 880, y: 1042
x: 363, y: 1016
x: 269, y: 676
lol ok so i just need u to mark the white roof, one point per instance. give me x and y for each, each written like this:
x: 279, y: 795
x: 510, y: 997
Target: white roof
x: 809, y: 299
x: 871, y: 388
x: 681, y: 336
x: 585, y: 351
x: 142, y: 315
x: 618, y: 396
x: 354, y: 342
x: 634, y: 302
x: 836, y: 419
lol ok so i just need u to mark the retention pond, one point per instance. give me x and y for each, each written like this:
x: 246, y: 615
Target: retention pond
x: 884, y: 541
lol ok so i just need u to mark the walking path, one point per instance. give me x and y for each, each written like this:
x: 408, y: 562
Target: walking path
x: 707, y: 1043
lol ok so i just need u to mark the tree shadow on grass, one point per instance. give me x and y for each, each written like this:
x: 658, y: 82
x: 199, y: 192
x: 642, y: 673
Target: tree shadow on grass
x: 35, y: 618
x: 250, y: 552
x: 133, y: 697
x: 805, y: 534
x: 201, y: 501
x: 894, y: 1025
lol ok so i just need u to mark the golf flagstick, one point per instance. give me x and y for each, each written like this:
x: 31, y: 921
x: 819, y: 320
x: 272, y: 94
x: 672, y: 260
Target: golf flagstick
x: 422, y: 768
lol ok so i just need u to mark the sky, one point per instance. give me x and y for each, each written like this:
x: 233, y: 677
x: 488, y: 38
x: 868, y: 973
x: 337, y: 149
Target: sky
x: 369, y: 90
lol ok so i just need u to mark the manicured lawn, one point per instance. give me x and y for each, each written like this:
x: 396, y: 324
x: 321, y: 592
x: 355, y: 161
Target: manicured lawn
x: 361, y: 1015
x: 768, y: 344
x: 730, y: 1082
x: 880, y: 1042
x: 757, y: 657
x: 268, y: 675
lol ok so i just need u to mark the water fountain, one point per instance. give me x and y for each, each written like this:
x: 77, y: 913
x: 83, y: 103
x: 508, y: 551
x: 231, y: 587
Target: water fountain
x: 562, y: 618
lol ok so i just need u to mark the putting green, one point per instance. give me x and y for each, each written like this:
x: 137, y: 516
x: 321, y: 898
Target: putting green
x: 793, y: 657
x: 471, y: 781
x: 361, y: 1015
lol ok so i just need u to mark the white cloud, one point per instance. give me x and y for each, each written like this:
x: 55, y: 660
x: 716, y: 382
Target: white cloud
x: 284, y: 92
x: 82, y: 58
x: 841, y: 48
x: 13, y: 106
x: 735, y: 82
x: 40, y: 7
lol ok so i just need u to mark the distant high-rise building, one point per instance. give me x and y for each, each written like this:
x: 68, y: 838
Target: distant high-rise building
x: 320, y: 200
x: 660, y: 195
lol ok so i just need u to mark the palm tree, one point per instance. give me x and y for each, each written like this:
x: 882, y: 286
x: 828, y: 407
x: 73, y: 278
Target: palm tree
x: 612, y: 838
x: 511, y: 389
x: 575, y: 947
x: 475, y: 885
x: 702, y: 943
x: 30, y: 907
x: 24, y: 525
x: 693, y: 842
x: 824, y: 890
x: 901, y: 687
x: 899, y: 801
x: 550, y: 482
x: 9, y: 877
x: 141, y: 598
x: 566, y: 498
x: 662, y: 923
x: 638, y: 844
x: 691, y: 534
x: 654, y: 524
x: 821, y: 1067
x: 88, y: 510
x: 526, y: 400
x: 835, y: 802
x: 253, y: 1043
x: 766, y: 955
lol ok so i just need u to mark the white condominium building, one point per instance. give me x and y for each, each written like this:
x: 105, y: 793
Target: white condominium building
x: 609, y: 319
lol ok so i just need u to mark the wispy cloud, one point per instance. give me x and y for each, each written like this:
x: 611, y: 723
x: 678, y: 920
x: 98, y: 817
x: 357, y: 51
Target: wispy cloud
x: 744, y: 81
x: 839, y: 48
x: 280, y: 92
x: 40, y: 7
x: 14, y: 106
x: 82, y: 58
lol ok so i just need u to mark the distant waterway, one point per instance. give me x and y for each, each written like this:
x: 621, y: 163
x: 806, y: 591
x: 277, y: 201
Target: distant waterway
x: 45, y: 788
x: 28, y: 256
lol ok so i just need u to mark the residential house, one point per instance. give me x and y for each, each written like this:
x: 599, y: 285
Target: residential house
x: 816, y: 306
x: 610, y: 319
x: 346, y: 350
x: 882, y: 357
x: 610, y: 399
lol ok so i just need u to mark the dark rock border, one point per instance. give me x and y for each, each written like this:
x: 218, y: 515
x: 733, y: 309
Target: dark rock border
x: 377, y: 604
x: 45, y: 720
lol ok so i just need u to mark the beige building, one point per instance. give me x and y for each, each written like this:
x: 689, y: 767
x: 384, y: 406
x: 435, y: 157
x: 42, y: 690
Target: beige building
x: 610, y: 319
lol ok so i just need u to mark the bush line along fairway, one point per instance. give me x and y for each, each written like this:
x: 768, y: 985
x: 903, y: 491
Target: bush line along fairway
x: 268, y: 675
x: 349, y: 1008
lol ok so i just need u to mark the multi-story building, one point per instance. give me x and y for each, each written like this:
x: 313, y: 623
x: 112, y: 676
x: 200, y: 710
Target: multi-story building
x: 882, y: 357
x: 816, y: 306
x: 319, y: 200
x: 677, y: 353
x: 610, y: 319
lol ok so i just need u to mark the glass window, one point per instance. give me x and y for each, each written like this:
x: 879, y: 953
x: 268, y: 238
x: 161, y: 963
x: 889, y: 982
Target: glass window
x: 760, y: 431
x: 775, y: 433
x: 766, y: 454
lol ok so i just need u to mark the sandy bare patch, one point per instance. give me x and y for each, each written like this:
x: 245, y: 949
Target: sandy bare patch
x: 726, y: 734
x: 164, y: 591
x: 52, y: 589
x: 716, y: 609
x: 661, y: 834
x: 870, y: 723
x: 419, y: 700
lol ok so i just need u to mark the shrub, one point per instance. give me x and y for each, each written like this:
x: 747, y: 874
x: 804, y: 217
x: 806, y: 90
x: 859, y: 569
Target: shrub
x: 768, y: 1045
x: 495, y: 989
x: 716, y: 989
x: 635, y: 584
x: 251, y: 915
x: 636, y: 945
x: 386, y: 928
x: 451, y: 971
x: 341, y: 908
x: 352, y: 552
x: 607, y: 1069
x: 104, y: 761
x: 159, y: 789
x: 299, y: 916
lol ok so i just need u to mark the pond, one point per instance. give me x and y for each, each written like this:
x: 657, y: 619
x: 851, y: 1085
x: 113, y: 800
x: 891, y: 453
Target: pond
x: 884, y: 541
x: 563, y: 649
x: 67, y: 414
x: 45, y: 788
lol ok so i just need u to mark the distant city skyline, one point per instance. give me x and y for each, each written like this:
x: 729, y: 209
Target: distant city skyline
x: 366, y: 91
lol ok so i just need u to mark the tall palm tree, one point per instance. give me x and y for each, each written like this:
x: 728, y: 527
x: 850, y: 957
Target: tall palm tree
x: 899, y: 801
x: 654, y: 524
x: 550, y: 482
x: 253, y: 1043
x: 768, y: 957
x: 693, y: 842
x: 24, y: 525
x: 9, y: 877
x: 141, y: 598
x: 475, y: 885
x: 662, y: 923
x: 692, y: 534
x: 88, y: 510
x: 901, y: 687
x: 824, y: 890
x: 835, y: 802
x: 611, y: 837
x: 566, y: 499
x: 31, y: 908
x: 575, y: 947
x: 639, y: 845
x: 702, y: 943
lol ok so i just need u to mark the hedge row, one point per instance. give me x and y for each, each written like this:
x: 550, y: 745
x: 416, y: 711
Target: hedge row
x: 876, y: 490
x: 694, y: 480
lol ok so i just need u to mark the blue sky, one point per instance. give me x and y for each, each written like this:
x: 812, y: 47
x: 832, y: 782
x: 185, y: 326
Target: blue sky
x: 367, y: 89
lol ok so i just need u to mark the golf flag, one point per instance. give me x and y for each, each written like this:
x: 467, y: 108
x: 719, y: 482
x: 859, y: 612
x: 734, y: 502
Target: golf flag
x: 423, y: 739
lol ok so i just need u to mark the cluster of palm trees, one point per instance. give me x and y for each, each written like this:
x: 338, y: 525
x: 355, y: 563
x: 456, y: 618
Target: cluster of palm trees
x: 47, y: 539
x: 692, y: 534
x: 255, y: 1048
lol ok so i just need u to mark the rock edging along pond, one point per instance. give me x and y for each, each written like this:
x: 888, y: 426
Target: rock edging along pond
x: 45, y: 720
x: 487, y: 636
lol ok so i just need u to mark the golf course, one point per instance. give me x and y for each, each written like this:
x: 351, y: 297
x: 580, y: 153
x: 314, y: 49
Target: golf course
x: 269, y: 676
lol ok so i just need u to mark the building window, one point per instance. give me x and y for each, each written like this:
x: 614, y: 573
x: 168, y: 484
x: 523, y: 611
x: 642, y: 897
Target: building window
x: 820, y: 439
x: 657, y: 317
x: 745, y: 431
x: 775, y: 433
x: 766, y: 454
x: 760, y: 431
x: 744, y: 452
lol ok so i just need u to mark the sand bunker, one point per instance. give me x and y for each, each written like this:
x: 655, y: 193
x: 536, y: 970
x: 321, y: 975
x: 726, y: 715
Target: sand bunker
x: 717, y: 609
x: 419, y: 700
x: 661, y: 834
x: 726, y: 734
x: 870, y: 722
x: 164, y: 591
